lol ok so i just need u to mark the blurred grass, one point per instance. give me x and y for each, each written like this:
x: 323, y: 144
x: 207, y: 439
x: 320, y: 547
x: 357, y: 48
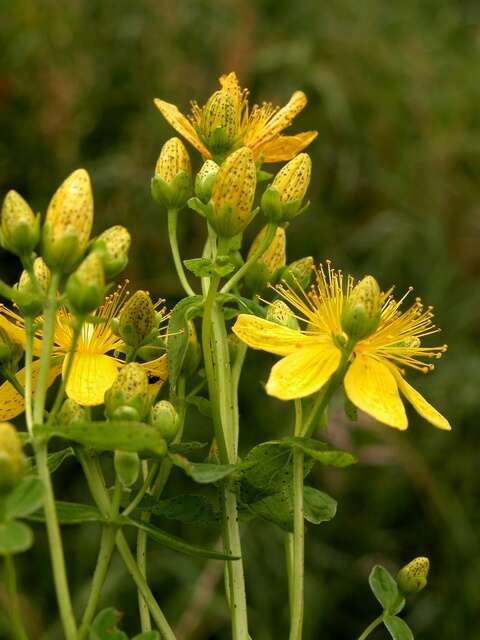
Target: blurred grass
x: 394, y: 91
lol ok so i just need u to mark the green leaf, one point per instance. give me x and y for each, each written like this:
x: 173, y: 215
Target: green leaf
x: 104, y: 627
x: 398, y: 628
x: 185, y: 508
x: 319, y: 506
x: 245, y: 305
x: 177, y: 343
x: 177, y: 544
x: 148, y: 635
x: 383, y: 586
x: 26, y: 498
x: 202, y: 472
x: 202, y: 404
x: 15, y: 537
x: 350, y: 410
x: 200, y: 267
x: 276, y: 508
x: 186, y: 447
x: 321, y: 451
x: 54, y: 460
x: 72, y: 513
x: 109, y: 436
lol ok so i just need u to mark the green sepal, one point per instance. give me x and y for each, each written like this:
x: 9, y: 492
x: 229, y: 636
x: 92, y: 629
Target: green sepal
x: 226, y: 220
x: 62, y: 254
x: 23, y: 238
x: 173, y: 195
x: 178, y: 332
x: 263, y: 176
x: 277, y: 211
x: 198, y: 206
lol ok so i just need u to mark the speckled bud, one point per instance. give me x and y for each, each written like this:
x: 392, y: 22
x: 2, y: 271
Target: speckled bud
x: 281, y: 313
x: 85, y: 287
x: 220, y: 122
x: 130, y: 389
x: 282, y: 201
x: 164, y: 416
x: 361, y: 313
x: 12, y: 458
x: 297, y: 275
x: 205, y: 180
x: 137, y: 318
x: 68, y: 223
x: 71, y: 412
x: 412, y: 578
x: 42, y: 274
x: 30, y: 299
x: 233, y: 194
x: 113, y: 246
x: 20, y: 228
x: 265, y: 270
x: 172, y: 182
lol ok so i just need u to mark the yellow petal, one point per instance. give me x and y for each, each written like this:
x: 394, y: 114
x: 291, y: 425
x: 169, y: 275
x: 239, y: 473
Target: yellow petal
x: 90, y: 376
x: 284, y: 148
x: 280, y: 120
x: 11, y: 402
x: 268, y: 336
x: 371, y: 387
x: 181, y: 124
x: 302, y: 373
x: 231, y: 85
x: 419, y: 403
x: 158, y: 369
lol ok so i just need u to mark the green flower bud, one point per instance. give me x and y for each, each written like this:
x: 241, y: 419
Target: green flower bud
x: 362, y: 309
x: 281, y: 313
x: 130, y: 389
x: 71, y: 412
x: 164, y: 416
x: 68, y: 223
x: 12, y: 458
x: 265, y: 270
x: 127, y: 467
x: 297, y: 275
x: 193, y: 356
x: 282, y: 201
x: 136, y: 319
x: 113, y: 246
x: 172, y: 183
x: 205, y: 180
x: 412, y: 578
x: 10, y: 351
x: 219, y: 123
x: 20, y: 230
x: 86, y: 286
x: 230, y: 208
x: 29, y: 299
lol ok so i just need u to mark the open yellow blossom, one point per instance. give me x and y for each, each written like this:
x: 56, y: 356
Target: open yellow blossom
x: 94, y: 368
x: 227, y: 112
x: 375, y: 376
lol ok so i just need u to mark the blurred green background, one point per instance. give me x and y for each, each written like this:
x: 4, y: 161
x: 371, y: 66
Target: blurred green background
x: 394, y: 91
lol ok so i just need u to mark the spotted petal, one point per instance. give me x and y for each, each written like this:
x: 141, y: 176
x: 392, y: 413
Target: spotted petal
x: 304, y: 372
x: 268, y: 336
x: 282, y: 118
x: 371, y: 386
x: 13, y: 324
x: 419, y: 403
x: 284, y: 148
x: 90, y: 376
x: 158, y: 369
x: 181, y: 124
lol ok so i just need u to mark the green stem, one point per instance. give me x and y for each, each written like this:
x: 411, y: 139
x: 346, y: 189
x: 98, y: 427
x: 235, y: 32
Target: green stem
x: 378, y: 621
x: 28, y: 373
x: 77, y: 330
x: 13, y: 380
x: 172, y: 235
x: 14, y: 610
x: 145, y: 621
x: 258, y: 253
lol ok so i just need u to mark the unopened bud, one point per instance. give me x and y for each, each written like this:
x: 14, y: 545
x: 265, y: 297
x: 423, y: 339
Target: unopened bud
x: 164, y: 416
x: 282, y: 201
x: 10, y: 351
x: 298, y: 274
x: 86, y: 286
x: 205, y: 180
x: 71, y: 412
x: 12, y: 458
x: 137, y: 318
x: 281, y: 313
x: 361, y: 313
x: 233, y: 194
x: 68, y: 222
x: 172, y: 182
x: 130, y: 389
x: 220, y: 123
x: 29, y: 298
x: 113, y: 246
x: 266, y: 268
x: 193, y: 356
x: 412, y: 578
x: 20, y: 229
x: 127, y: 467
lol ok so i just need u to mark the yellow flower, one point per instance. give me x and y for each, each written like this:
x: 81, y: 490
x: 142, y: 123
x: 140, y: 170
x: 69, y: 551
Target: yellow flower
x: 375, y: 376
x: 227, y: 121
x: 93, y: 369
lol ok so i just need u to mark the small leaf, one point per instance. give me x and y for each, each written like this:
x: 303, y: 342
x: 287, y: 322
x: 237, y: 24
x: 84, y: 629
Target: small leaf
x: 383, y: 586
x: 202, y: 472
x: 148, y: 635
x: 202, y: 404
x: 104, y: 627
x: 54, y: 461
x: 318, y: 506
x: 186, y: 508
x: 276, y: 508
x: 72, y: 513
x: 398, y: 628
x: 177, y: 544
x: 200, y: 267
x: 15, y: 537
x: 322, y: 452
x: 26, y: 498
x: 177, y: 343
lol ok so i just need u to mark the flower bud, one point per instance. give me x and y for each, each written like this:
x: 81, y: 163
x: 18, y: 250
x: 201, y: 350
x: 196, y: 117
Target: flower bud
x: 281, y: 313
x: 361, y: 313
x: 193, y: 356
x: 130, y: 390
x: 164, y: 416
x: 12, y: 458
x: 29, y: 298
x: 86, y: 286
x: 233, y: 193
x: 10, y: 351
x: 172, y: 183
x: 412, y: 578
x: 20, y: 229
x: 282, y: 201
x: 205, y: 180
x: 113, y: 246
x: 71, y: 412
x: 297, y: 275
x: 264, y: 271
x: 137, y: 319
x: 68, y: 223
x: 127, y: 467
x: 219, y: 125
